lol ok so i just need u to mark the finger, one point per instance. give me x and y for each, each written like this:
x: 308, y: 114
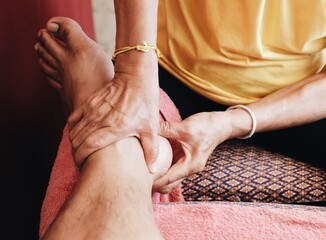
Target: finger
x: 95, y: 141
x: 151, y: 149
x: 170, y: 129
x: 169, y: 187
x: 78, y: 114
x: 177, y: 172
x: 96, y: 98
x: 100, y: 117
x: 75, y: 117
x: 89, y: 118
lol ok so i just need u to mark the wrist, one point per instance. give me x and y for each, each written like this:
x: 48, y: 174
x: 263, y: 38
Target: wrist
x: 219, y: 125
x: 137, y: 63
x: 240, y: 122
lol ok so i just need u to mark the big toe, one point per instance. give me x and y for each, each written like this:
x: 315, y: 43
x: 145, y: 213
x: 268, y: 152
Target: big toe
x: 67, y: 30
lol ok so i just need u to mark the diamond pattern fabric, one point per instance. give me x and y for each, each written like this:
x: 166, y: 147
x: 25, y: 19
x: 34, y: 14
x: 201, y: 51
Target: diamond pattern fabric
x: 239, y: 172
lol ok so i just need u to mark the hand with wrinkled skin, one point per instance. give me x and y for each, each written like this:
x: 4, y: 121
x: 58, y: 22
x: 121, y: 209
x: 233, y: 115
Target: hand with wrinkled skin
x: 126, y: 106
x: 198, y: 135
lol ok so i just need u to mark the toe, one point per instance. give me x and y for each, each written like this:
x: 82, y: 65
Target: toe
x: 50, y: 44
x: 55, y: 84
x: 66, y: 29
x: 49, y: 71
x: 46, y: 56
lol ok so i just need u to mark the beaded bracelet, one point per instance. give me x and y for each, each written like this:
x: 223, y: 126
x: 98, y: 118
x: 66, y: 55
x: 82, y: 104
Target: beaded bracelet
x: 144, y: 47
x: 252, y: 116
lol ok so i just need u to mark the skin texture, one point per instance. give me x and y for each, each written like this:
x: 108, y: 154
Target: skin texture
x: 105, y: 117
x: 135, y: 111
x: 112, y: 198
x: 129, y: 104
x: 276, y: 111
x: 115, y: 186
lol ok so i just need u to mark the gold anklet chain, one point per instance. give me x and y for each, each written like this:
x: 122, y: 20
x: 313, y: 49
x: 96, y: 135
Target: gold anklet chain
x: 144, y: 47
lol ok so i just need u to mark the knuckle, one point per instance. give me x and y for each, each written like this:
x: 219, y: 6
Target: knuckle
x: 72, y: 135
x: 75, y: 143
x: 94, y: 142
x: 101, y: 110
x: 71, y: 120
x: 90, y: 142
x: 91, y: 103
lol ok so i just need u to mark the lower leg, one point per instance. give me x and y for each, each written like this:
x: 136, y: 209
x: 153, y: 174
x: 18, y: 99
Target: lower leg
x: 112, y: 198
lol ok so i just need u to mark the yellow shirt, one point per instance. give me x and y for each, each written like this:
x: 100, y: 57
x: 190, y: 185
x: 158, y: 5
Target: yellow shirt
x: 238, y: 51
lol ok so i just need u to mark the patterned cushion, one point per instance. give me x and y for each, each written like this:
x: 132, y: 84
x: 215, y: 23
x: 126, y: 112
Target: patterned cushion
x: 240, y: 172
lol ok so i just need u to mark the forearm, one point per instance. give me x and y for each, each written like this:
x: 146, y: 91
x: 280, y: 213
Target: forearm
x: 129, y: 104
x: 200, y: 133
x: 294, y: 105
x: 136, y: 21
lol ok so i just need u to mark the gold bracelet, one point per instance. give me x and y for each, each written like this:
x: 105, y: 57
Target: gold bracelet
x: 144, y: 47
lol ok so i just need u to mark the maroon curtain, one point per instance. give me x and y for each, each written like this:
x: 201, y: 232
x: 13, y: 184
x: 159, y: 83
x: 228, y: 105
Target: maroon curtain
x: 32, y: 114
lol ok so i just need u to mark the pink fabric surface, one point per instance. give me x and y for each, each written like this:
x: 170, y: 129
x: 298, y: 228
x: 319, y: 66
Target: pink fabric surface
x: 64, y: 174
x: 195, y: 220
x: 230, y: 221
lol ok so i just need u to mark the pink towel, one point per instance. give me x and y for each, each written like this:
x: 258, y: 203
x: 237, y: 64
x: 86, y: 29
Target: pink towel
x: 64, y: 174
x: 231, y: 221
x: 227, y: 221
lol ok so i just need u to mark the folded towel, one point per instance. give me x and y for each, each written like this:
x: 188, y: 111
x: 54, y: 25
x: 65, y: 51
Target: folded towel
x: 64, y: 174
x: 245, y: 221
x: 205, y: 220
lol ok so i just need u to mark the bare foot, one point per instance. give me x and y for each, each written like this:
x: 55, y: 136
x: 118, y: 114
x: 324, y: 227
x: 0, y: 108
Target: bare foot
x: 77, y: 66
x: 74, y: 64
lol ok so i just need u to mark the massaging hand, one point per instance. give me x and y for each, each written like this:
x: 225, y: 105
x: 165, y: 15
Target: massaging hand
x: 198, y: 135
x: 126, y: 106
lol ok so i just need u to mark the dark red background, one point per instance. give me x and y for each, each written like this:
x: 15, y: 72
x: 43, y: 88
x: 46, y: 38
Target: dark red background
x: 32, y: 115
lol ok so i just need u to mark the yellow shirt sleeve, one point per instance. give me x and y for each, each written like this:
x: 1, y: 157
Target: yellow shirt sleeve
x: 238, y: 51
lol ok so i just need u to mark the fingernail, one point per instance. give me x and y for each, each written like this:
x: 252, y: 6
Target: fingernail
x: 53, y: 27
